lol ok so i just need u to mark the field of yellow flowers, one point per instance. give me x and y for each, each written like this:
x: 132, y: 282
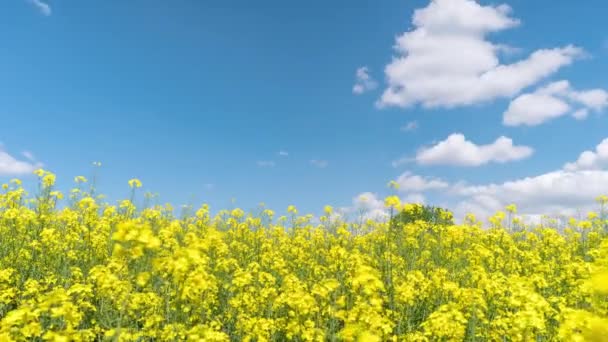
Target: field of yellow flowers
x: 90, y: 271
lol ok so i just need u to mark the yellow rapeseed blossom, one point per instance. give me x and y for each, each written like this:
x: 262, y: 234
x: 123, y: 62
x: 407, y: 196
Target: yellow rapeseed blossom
x: 393, y: 185
x: 600, y: 282
x: 135, y: 183
x: 88, y: 270
x: 392, y: 202
x: 511, y: 208
x: 48, y: 180
x: 80, y: 179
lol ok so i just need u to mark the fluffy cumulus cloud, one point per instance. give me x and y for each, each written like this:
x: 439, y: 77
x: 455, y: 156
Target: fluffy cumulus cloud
x: 446, y: 60
x: 558, y: 192
x: 568, y: 191
x: 364, y: 82
x: 368, y: 205
x: 414, y: 198
x: 457, y: 151
x: 10, y: 166
x: 552, y: 101
x: 409, y: 182
x: 591, y: 160
x: 41, y: 6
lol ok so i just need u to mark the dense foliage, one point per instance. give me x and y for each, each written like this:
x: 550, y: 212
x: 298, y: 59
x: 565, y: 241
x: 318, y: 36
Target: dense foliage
x: 426, y: 213
x: 93, y: 271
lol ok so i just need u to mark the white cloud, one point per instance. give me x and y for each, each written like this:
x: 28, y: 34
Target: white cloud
x: 410, y: 126
x: 552, y: 101
x: 591, y: 160
x: 414, y: 198
x: 456, y: 150
x: 596, y: 99
x: 266, y: 163
x: 283, y: 153
x: 321, y: 164
x: 402, y: 161
x: 367, y: 205
x: 534, y: 109
x: 569, y: 191
x: 409, y: 182
x: 580, y: 114
x: 10, y: 166
x: 554, y: 193
x: 29, y: 155
x: 446, y: 60
x: 364, y: 82
x: 41, y: 6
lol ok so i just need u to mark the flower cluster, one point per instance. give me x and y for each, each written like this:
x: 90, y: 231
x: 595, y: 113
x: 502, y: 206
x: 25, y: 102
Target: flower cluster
x: 90, y: 271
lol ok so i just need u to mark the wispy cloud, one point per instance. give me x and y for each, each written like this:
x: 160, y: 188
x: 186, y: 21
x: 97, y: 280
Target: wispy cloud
x: 402, y: 161
x: 283, y: 153
x: 266, y: 163
x: 29, y: 155
x: 41, y: 6
x: 410, y: 126
x: 321, y: 164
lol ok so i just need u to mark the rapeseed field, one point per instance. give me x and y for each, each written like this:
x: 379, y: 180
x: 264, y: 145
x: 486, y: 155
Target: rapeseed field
x: 92, y: 271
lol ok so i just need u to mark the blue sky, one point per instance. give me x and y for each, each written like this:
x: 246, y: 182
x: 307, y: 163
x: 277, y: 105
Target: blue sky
x: 198, y: 99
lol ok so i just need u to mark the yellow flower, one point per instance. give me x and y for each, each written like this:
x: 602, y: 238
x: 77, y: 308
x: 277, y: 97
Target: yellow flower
x: 269, y: 213
x: 80, y: 179
x: 135, y: 183
x: 48, y: 180
x: 511, y: 208
x: 91, y: 270
x: 57, y: 194
x: 394, y: 185
x: 237, y: 213
x: 585, y: 224
x: 600, y: 282
x: 142, y: 279
x: 603, y: 199
x: 392, y: 202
